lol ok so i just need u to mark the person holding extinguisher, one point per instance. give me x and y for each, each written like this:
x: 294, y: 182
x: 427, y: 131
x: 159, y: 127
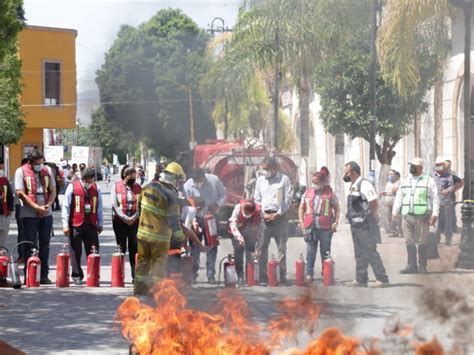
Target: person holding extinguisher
x: 246, y: 225
x: 319, y: 218
x: 209, y: 193
x: 6, y: 204
x: 125, y: 197
x: 82, y: 219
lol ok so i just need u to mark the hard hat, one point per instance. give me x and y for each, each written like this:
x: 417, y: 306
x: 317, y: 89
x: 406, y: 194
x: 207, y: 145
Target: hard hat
x: 175, y: 168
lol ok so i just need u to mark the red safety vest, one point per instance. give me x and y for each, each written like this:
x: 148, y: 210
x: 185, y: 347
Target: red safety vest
x: 242, y: 222
x: 79, y: 202
x: 3, y: 194
x: 29, y: 177
x: 121, y: 191
x: 325, y: 211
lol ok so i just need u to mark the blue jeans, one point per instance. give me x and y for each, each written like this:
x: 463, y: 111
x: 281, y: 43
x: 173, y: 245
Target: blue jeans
x: 38, y: 231
x: 321, y: 236
x: 211, y: 257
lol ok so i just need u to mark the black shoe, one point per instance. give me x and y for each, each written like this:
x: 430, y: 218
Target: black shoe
x: 211, y: 280
x: 422, y: 269
x: 448, y: 241
x: 45, y: 281
x: 409, y: 269
x: 241, y: 282
x: 283, y: 281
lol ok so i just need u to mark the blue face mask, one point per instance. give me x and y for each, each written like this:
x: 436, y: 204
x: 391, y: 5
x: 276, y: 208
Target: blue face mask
x: 391, y: 178
x: 38, y: 167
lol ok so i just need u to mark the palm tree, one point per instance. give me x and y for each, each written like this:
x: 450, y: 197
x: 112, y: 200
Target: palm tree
x: 293, y: 36
x: 403, y: 22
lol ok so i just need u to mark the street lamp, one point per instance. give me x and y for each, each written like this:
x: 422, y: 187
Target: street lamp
x: 466, y: 256
x: 221, y: 28
x: 373, y: 86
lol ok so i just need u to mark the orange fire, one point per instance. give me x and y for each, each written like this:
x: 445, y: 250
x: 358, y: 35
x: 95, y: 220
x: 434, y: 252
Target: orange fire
x: 171, y: 328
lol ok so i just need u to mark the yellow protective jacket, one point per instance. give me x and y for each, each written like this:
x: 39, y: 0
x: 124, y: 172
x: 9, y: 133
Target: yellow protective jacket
x: 159, y: 214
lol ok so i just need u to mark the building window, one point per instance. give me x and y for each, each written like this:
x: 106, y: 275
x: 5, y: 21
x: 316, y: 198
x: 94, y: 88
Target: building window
x: 52, y: 81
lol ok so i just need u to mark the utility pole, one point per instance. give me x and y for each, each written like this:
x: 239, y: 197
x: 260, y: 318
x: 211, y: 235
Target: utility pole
x: 373, y: 85
x: 466, y: 256
x: 191, y: 118
x: 276, y: 96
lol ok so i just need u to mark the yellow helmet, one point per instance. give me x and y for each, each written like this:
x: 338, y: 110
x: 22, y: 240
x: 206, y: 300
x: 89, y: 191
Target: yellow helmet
x: 176, y: 169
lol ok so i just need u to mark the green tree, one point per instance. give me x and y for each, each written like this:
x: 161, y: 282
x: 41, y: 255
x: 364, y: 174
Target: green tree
x: 235, y: 90
x: 343, y: 84
x: 11, y: 23
x: 407, y: 25
x: 295, y: 36
x: 148, y: 76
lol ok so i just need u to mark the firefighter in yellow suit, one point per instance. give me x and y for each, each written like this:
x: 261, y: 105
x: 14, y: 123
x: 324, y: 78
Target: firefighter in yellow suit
x: 159, y: 222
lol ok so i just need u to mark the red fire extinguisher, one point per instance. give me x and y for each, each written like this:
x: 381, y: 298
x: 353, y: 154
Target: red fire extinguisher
x: 62, y: 268
x: 4, y: 260
x: 118, y: 267
x: 328, y: 271
x: 187, y: 268
x: 210, y: 230
x: 300, y: 267
x: 230, y: 273
x: 253, y: 271
x: 273, y: 272
x: 93, y: 268
x: 33, y: 270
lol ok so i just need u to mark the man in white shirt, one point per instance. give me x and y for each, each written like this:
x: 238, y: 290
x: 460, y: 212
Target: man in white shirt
x: 418, y: 201
x: 362, y: 212
x: 275, y: 193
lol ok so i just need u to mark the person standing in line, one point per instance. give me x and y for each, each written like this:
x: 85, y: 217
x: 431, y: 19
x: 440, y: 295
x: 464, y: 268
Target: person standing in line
x: 209, y: 194
x: 393, y: 228
x: 274, y: 191
x: 20, y: 237
x: 125, y: 197
x: 319, y: 218
x: 246, y: 226
x: 418, y: 201
x: 82, y: 219
x: 6, y: 204
x: 362, y: 212
x: 159, y: 222
x: 36, y: 187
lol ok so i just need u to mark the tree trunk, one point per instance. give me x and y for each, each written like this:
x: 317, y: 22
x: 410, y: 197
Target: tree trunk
x: 304, y: 121
x: 339, y: 172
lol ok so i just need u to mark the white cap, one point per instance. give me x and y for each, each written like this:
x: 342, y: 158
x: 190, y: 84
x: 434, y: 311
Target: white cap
x: 440, y: 161
x: 416, y: 161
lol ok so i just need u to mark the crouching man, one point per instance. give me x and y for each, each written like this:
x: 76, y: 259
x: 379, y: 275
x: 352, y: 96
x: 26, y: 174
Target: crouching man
x: 246, y: 225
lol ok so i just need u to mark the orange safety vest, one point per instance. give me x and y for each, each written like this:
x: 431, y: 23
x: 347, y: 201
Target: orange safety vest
x: 29, y: 177
x: 325, y: 210
x: 79, y: 197
x: 121, y: 191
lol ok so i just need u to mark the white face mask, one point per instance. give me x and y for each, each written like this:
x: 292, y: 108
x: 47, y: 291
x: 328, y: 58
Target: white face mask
x: 169, y: 179
x: 315, y: 186
x: 2, y: 173
x: 247, y: 216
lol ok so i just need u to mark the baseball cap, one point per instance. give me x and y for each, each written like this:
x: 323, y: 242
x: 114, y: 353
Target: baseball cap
x: 416, y: 161
x: 440, y: 161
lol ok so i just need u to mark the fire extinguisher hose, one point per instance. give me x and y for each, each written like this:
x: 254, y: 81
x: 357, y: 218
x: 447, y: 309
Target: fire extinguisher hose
x: 220, y: 269
x: 16, y: 247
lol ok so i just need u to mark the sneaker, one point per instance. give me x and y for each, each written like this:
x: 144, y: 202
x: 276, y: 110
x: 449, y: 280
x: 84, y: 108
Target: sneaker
x: 211, y: 280
x: 283, y: 281
x: 355, y: 283
x: 448, y: 241
x: 77, y: 281
x: 379, y: 284
x: 241, y: 282
x: 45, y: 281
x: 309, y: 278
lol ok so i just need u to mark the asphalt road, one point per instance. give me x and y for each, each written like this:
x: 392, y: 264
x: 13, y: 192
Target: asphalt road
x: 79, y: 320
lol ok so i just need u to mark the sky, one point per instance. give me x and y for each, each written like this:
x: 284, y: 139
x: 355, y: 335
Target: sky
x: 98, y: 21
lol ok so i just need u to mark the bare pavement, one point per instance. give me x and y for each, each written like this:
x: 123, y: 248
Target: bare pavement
x: 79, y: 320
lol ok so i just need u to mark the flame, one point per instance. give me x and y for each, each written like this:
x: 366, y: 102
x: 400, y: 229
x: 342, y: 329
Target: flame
x: 171, y: 328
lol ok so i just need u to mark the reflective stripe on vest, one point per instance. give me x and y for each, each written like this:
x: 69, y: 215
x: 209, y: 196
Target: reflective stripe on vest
x: 415, y: 200
x: 121, y: 191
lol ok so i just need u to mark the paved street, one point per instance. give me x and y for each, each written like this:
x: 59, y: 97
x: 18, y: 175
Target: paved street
x: 79, y: 320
